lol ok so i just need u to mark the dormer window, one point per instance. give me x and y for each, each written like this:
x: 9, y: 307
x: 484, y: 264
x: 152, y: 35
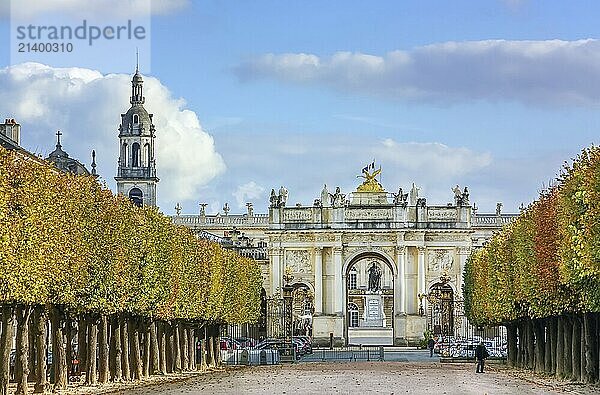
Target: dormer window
x: 136, y: 119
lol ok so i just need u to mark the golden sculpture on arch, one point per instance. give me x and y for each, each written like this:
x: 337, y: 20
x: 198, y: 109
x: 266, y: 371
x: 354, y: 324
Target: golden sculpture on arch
x: 370, y: 184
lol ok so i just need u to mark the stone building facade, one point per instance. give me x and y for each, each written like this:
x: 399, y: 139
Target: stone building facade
x: 370, y: 261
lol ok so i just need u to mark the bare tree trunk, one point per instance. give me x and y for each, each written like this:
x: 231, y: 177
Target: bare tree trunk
x: 591, y: 348
x: 177, y: 347
x: 59, y: 353
x: 203, y: 364
x: 217, y: 351
x: 116, y: 373
x: 123, y: 322
x: 568, y: 332
x: 69, y: 333
x: 136, y: 359
x: 554, y: 340
x: 162, y: 358
x: 146, y: 353
x: 32, y: 355
x: 92, y: 346
x: 154, y: 348
x: 530, y: 344
x: 211, y: 361
x: 82, y: 329
x: 521, y: 345
x: 192, y: 348
x: 576, y: 348
x: 6, y: 339
x: 511, y: 331
x: 23, y: 313
x: 547, y: 347
x: 560, y: 348
x: 184, y: 342
x: 170, y: 347
x: 40, y: 319
x: 538, y: 326
x: 103, y: 350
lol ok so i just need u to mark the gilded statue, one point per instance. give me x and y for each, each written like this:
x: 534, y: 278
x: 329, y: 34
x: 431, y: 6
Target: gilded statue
x: 370, y: 184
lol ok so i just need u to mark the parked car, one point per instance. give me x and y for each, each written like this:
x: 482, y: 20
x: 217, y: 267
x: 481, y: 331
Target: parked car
x: 227, y: 343
x: 246, y: 342
x: 280, y: 345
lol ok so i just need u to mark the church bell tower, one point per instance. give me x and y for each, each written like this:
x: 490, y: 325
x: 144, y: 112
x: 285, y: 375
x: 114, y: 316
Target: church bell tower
x: 136, y: 171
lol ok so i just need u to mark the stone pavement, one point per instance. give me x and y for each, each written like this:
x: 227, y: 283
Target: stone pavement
x: 361, y: 378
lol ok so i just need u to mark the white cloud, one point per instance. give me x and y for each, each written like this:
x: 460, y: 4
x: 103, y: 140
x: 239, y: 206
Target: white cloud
x: 107, y: 8
x: 249, y: 192
x: 336, y: 159
x: 432, y: 158
x: 534, y: 72
x: 86, y: 106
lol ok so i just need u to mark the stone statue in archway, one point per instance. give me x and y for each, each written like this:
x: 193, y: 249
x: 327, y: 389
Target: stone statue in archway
x: 374, y: 277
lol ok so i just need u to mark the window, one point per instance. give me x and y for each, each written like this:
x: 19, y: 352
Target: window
x: 352, y: 278
x: 352, y: 315
x: 136, y: 196
x: 148, y: 154
x: 124, y: 155
x: 135, y: 155
x: 136, y: 119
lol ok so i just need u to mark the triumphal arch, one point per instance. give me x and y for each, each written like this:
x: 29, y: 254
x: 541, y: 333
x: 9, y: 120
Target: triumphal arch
x: 369, y: 265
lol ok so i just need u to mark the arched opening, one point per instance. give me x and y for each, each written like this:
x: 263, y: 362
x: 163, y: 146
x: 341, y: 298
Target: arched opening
x: 440, y: 300
x: 136, y: 119
x: 135, y: 155
x: 124, y: 155
x: 369, y: 300
x: 136, y: 196
x: 148, y: 154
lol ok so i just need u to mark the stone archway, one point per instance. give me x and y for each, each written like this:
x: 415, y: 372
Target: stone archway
x: 369, y: 299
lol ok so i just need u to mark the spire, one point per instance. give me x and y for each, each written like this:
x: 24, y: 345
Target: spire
x: 137, y: 61
x: 137, y: 96
x: 94, y: 173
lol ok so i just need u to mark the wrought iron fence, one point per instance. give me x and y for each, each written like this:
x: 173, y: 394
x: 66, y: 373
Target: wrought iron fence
x: 456, y: 338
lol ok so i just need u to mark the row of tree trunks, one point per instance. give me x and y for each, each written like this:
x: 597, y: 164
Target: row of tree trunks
x: 109, y: 348
x: 565, y: 345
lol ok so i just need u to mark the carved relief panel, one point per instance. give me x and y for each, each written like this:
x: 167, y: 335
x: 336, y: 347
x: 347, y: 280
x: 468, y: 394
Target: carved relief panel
x: 440, y: 259
x: 298, y: 261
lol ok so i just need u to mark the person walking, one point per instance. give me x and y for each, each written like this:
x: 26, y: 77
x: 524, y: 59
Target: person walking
x: 430, y: 345
x: 481, y: 353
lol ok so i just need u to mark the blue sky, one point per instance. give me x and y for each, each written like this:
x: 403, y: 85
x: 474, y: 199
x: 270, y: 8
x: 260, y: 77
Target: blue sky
x: 305, y: 93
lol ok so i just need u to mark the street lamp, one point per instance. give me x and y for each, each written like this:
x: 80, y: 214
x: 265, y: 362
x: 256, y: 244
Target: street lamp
x: 421, y: 309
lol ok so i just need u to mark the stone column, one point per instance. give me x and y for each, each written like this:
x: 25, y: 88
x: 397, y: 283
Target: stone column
x: 421, y: 272
x: 318, y: 280
x: 337, y: 280
x: 401, y: 283
x: 275, y: 255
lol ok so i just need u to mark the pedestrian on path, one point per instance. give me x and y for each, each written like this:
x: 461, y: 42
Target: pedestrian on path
x: 430, y: 345
x: 481, y: 353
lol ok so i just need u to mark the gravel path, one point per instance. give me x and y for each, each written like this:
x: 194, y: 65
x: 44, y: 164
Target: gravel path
x: 360, y: 378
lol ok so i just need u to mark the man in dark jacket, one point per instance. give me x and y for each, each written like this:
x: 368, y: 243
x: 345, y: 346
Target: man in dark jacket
x: 481, y: 354
x: 430, y: 345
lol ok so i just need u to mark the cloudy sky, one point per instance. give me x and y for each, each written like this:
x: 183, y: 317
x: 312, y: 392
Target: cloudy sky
x: 249, y: 96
